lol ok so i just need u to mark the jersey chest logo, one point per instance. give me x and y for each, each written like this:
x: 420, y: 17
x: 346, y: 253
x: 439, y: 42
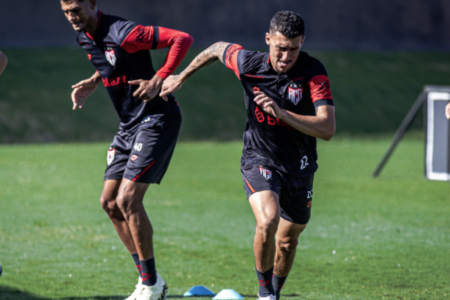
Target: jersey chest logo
x: 295, y: 93
x: 110, y: 56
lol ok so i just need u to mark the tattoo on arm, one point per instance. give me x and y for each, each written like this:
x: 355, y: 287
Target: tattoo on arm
x: 205, y: 58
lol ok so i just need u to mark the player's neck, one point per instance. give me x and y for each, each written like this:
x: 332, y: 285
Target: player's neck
x: 92, y: 25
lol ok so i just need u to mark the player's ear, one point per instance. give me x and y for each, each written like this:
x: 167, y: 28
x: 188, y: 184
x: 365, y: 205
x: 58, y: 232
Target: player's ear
x: 268, y: 38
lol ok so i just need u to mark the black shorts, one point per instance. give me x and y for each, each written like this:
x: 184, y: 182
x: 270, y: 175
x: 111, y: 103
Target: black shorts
x: 295, y: 192
x: 143, y: 154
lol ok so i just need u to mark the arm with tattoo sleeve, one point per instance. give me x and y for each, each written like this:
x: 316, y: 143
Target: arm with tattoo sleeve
x: 207, y: 57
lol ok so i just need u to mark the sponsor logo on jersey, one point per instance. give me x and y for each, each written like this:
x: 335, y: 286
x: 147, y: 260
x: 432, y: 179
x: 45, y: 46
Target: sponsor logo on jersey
x: 134, y: 157
x: 110, y: 56
x: 267, y: 174
x: 110, y: 156
x: 271, y: 120
x: 295, y: 93
x: 119, y: 82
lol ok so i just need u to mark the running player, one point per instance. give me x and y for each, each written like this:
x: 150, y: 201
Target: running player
x: 3, y: 62
x: 289, y: 104
x: 141, y: 151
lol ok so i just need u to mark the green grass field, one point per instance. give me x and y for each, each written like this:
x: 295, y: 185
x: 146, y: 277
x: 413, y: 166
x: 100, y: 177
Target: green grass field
x: 372, y: 92
x: 385, y: 238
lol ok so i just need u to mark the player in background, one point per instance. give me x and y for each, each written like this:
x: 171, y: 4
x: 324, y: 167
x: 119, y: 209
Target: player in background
x: 141, y: 151
x: 289, y: 103
x: 3, y: 62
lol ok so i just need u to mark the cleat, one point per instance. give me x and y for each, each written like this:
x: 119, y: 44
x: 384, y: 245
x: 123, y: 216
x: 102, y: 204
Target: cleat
x: 154, y: 292
x: 270, y: 297
x: 137, y: 291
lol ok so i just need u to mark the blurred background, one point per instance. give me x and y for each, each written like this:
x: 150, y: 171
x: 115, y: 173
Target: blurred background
x: 379, y: 55
x: 384, y: 238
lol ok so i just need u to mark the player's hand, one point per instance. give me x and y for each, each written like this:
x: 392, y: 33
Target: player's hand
x: 171, y: 85
x: 147, y: 89
x: 447, y: 111
x: 268, y: 104
x: 82, y: 90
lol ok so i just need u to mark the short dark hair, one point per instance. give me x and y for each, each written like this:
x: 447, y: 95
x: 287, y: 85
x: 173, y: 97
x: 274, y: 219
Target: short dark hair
x: 70, y: 1
x: 288, y: 23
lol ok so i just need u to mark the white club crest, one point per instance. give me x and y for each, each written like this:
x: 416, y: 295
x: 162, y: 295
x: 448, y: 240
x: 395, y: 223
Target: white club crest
x: 110, y: 156
x: 295, y: 93
x: 111, y: 57
x: 267, y: 174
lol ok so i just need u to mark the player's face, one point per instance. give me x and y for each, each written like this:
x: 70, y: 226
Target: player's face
x: 283, y: 51
x: 80, y: 14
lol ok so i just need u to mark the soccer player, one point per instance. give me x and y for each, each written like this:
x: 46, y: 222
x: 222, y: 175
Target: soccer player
x: 141, y: 151
x: 289, y: 104
x: 3, y: 62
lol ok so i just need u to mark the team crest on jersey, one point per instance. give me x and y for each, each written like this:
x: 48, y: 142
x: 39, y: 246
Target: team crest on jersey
x: 110, y: 156
x: 295, y: 93
x: 110, y: 56
x: 267, y: 174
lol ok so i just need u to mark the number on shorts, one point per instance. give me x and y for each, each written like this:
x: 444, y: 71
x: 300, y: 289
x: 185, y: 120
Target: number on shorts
x: 304, y: 162
x: 138, y: 146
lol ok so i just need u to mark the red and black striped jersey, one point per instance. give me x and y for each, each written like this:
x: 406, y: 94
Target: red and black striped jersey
x: 269, y: 140
x: 119, y: 52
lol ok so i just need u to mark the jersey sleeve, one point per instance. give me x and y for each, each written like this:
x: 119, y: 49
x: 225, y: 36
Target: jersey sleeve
x: 230, y: 58
x: 121, y: 29
x: 155, y: 37
x: 140, y: 38
x: 319, y: 86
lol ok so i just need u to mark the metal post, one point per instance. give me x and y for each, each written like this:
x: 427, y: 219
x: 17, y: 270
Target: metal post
x: 401, y: 130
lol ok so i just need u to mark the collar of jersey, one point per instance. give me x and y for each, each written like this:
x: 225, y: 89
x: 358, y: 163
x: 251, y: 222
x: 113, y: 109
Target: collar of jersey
x: 99, y: 16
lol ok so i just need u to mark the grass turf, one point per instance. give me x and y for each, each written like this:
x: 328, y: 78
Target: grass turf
x: 384, y: 238
x: 372, y: 92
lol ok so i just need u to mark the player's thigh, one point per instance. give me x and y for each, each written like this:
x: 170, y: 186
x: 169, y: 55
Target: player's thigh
x: 265, y: 207
x: 296, y: 199
x: 151, y: 153
x: 262, y: 187
x: 131, y: 195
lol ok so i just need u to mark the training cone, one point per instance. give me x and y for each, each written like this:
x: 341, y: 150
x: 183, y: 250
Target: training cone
x: 228, y: 294
x: 199, y: 290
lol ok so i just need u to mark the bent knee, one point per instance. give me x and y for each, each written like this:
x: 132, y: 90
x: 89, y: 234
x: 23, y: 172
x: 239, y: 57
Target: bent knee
x: 128, y: 204
x: 107, y: 203
x: 287, y: 245
x: 269, y: 225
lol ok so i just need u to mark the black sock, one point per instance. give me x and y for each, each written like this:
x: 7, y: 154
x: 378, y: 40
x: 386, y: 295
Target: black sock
x: 265, y: 283
x: 137, y: 262
x: 148, y: 272
x: 278, y: 282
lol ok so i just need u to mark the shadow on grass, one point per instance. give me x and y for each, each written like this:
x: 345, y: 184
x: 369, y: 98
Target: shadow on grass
x: 9, y: 293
